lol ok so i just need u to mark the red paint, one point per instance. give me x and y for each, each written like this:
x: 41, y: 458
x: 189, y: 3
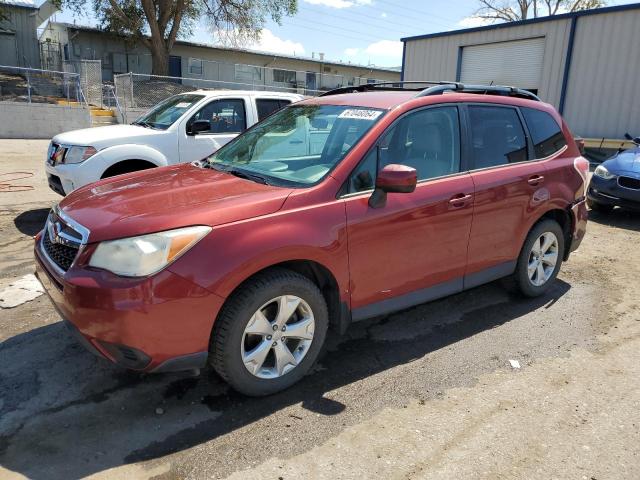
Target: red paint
x: 444, y: 229
x: 397, y: 178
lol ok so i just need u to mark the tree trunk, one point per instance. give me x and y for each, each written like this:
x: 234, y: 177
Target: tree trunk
x: 159, y: 60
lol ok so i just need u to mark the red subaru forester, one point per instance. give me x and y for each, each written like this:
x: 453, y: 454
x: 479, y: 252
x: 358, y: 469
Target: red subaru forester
x: 336, y: 209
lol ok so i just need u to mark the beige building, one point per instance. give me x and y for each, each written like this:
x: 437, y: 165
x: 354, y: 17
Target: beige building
x: 585, y: 63
x: 196, y: 61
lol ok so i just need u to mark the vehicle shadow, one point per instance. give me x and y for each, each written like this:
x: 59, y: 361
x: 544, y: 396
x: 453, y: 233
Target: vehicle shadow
x: 618, y: 217
x: 31, y: 221
x: 66, y: 414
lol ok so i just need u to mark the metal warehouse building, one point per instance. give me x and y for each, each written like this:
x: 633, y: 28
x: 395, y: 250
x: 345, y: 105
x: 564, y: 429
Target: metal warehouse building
x: 586, y: 63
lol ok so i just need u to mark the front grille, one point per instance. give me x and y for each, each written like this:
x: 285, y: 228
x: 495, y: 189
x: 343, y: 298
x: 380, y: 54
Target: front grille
x: 62, y: 255
x: 629, y: 182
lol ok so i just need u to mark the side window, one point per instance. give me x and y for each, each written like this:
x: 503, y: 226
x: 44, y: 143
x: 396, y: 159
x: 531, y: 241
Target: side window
x: 226, y: 116
x: 497, y: 136
x: 545, y: 132
x: 427, y: 140
x: 266, y: 106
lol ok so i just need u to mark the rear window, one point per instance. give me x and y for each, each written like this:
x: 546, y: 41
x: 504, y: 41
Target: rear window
x: 497, y: 136
x: 266, y: 106
x: 545, y: 132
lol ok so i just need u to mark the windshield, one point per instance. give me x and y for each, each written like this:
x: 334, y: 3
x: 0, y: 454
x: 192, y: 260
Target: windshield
x: 298, y: 145
x: 163, y: 115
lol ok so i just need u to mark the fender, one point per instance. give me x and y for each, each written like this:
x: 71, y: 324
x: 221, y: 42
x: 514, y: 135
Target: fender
x: 112, y: 155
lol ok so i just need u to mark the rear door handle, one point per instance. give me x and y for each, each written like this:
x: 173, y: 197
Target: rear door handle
x: 459, y: 200
x: 535, y: 180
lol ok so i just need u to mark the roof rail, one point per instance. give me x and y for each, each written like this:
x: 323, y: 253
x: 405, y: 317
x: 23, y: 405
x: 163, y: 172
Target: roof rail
x: 385, y: 86
x: 436, y: 88
x: 478, y: 89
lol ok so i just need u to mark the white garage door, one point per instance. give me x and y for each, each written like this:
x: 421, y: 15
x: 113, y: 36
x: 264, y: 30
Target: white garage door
x: 517, y: 63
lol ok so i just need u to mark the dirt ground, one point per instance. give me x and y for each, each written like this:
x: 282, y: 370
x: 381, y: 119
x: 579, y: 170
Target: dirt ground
x: 425, y: 393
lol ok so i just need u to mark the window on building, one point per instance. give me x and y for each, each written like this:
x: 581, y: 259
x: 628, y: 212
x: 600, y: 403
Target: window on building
x: 497, y: 136
x: 266, y: 106
x: 195, y: 66
x: 284, y: 76
x: 545, y: 132
x: 226, y: 116
x: 247, y: 73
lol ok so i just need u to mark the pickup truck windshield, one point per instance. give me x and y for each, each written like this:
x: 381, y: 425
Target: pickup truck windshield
x: 298, y: 145
x: 163, y: 115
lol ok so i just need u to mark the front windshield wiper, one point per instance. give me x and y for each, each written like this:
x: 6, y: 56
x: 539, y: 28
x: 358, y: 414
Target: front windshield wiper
x: 144, y: 124
x: 244, y: 174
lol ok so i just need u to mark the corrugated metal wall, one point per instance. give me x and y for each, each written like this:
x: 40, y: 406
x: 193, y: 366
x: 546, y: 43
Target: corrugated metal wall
x: 603, y: 93
x: 23, y: 25
x: 602, y: 98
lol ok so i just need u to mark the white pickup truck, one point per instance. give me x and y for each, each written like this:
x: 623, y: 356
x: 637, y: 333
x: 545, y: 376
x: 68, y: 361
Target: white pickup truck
x: 182, y: 128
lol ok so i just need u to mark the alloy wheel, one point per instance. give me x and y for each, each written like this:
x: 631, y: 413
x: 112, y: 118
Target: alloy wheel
x: 277, y: 337
x: 543, y: 259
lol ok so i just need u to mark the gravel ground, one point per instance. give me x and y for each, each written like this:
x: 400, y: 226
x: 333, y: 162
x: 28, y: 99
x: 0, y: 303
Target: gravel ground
x: 426, y: 392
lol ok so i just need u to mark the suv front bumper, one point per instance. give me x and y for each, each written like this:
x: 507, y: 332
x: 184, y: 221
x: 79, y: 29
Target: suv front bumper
x: 154, y: 324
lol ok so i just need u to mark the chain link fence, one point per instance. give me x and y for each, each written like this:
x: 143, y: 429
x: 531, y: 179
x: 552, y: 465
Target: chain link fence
x: 31, y: 85
x: 90, y: 74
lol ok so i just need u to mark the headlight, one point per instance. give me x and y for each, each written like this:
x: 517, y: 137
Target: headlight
x: 147, y: 254
x: 79, y: 154
x: 602, y: 172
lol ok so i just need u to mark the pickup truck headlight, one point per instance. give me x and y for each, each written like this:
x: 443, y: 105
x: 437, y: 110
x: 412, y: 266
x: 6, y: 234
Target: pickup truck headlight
x: 602, y: 172
x: 146, y: 254
x: 79, y: 154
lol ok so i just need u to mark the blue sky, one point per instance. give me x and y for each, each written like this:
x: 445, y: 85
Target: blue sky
x: 356, y: 31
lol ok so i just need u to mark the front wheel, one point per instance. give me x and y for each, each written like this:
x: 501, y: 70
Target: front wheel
x: 269, y: 333
x: 540, y: 258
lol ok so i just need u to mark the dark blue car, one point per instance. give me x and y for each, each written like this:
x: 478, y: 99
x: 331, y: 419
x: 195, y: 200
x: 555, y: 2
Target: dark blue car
x: 616, y: 182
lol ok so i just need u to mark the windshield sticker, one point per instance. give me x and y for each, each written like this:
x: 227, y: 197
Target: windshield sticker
x: 183, y: 105
x: 360, y: 114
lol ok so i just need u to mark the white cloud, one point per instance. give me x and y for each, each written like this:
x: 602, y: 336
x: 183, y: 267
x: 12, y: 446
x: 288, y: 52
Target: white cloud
x: 472, y: 22
x: 267, y: 42
x: 339, y: 3
x: 386, y: 49
x: 351, y: 52
x: 384, y: 15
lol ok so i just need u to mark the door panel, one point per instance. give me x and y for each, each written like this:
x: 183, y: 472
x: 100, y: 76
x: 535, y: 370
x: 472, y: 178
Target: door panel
x: 504, y: 202
x: 418, y: 240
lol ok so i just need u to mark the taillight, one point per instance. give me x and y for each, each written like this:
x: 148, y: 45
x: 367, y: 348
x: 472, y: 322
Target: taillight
x: 581, y: 165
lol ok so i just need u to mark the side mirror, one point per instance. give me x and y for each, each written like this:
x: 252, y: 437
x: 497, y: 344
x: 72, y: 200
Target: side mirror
x: 393, y: 178
x: 198, y: 126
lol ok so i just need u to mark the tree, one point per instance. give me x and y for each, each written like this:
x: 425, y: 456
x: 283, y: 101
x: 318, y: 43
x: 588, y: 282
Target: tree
x: 513, y: 10
x: 157, y: 24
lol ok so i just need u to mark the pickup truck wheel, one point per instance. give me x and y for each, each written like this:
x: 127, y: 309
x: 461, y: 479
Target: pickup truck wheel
x: 540, y: 258
x: 269, y: 333
x: 126, y: 166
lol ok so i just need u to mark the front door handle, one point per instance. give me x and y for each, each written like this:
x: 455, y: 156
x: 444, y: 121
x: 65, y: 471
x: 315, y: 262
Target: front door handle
x: 535, y: 180
x: 459, y: 200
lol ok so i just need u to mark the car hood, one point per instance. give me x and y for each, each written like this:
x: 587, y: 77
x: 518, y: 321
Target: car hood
x: 168, y: 197
x: 625, y: 162
x: 101, y: 137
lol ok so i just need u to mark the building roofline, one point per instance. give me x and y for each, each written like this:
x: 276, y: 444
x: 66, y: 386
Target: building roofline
x: 244, y: 50
x: 551, y: 18
x: 18, y: 5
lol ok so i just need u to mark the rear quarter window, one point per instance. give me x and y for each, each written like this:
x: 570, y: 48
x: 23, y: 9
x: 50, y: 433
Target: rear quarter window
x: 546, y: 134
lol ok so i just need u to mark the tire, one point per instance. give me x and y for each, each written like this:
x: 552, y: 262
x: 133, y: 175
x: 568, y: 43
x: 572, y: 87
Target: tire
x: 540, y: 283
x: 599, y: 207
x: 234, y: 340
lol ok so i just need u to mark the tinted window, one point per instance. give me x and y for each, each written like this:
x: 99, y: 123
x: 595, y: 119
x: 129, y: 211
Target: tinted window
x: 427, y: 140
x: 266, y: 106
x: 226, y: 116
x: 163, y: 115
x: 545, y: 132
x: 497, y: 136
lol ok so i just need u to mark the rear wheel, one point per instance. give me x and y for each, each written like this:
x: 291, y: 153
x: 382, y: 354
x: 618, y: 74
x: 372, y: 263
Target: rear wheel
x: 269, y: 333
x: 599, y: 207
x: 540, y: 258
